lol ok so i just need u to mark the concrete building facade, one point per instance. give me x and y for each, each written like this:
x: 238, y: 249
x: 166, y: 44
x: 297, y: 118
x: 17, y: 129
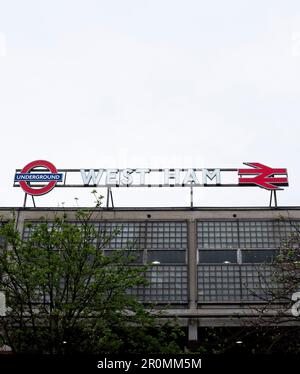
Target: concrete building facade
x: 206, y: 263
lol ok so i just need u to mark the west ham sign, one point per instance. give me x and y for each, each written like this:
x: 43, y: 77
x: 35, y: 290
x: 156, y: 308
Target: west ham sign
x: 40, y: 177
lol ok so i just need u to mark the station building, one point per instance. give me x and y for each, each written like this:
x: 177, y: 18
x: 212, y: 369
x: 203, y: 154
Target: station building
x: 207, y: 264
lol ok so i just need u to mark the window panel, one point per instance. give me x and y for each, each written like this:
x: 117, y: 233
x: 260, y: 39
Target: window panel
x: 168, y: 256
x: 258, y: 256
x: 135, y: 235
x: 217, y: 234
x: 234, y: 283
x: 167, y: 284
x: 219, y: 256
x: 123, y: 234
x: 217, y: 283
x: 257, y: 234
x: 244, y: 234
x: 135, y: 256
x: 166, y: 235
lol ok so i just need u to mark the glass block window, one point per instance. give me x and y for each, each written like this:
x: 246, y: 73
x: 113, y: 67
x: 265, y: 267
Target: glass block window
x: 217, y: 234
x: 219, y: 283
x: 29, y: 227
x: 27, y: 230
x: 244, y: 234
x: 151, y: 235
x: 166, y: 235
x: 162, y: 241
x: 285, y: 228
x: 167, y: 284
x: 234, y: 283
x: 257, y: 234
x: 123, y: 234
x: 257, y: 282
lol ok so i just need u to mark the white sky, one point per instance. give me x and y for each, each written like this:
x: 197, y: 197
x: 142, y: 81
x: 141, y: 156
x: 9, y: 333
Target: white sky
x: 158, y: 83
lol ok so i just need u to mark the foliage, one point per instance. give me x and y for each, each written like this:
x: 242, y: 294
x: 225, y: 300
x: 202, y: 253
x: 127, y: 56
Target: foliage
x: 64, y: 295
x: 278, y: 328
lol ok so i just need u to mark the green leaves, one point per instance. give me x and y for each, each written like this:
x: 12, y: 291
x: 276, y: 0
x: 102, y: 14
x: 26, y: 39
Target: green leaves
x: 61, y: 287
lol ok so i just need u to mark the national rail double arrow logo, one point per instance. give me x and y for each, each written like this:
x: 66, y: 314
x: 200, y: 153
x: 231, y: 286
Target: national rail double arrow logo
x: 264, y: 176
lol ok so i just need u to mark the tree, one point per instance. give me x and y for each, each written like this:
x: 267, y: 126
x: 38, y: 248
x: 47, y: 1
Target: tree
x: 64, y: 295
x: 278, y: 314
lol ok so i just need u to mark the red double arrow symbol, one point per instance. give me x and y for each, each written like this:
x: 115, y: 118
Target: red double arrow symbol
x: 264, y: 176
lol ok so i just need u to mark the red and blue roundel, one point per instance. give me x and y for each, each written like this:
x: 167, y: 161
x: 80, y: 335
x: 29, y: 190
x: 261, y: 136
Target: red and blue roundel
x: 28, y: 176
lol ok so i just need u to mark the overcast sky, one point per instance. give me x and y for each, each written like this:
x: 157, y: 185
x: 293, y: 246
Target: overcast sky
x: 158, y: 83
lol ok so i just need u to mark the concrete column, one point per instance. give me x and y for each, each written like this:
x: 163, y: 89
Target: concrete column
x: 192, y: 264
x: 193, y: 330
x: 192, y: 278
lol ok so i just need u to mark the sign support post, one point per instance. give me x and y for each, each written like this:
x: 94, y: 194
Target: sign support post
x: 273, y: 195
x: 192, y: 197
x: 109, y: 196
x: 25, y: 200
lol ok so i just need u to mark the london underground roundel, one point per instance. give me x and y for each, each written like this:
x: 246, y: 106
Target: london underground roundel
x: 47, y: 178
